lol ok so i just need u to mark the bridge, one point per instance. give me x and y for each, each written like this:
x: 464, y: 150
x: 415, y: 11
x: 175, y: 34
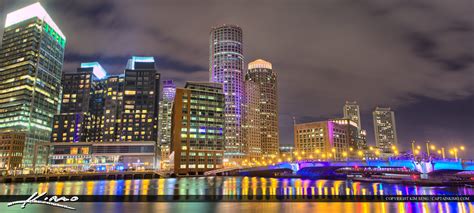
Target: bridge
x: 329, y: 167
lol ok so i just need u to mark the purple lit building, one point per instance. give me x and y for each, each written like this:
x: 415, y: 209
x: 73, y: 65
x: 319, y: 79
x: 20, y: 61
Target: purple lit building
x: 226, y: 65
x: 164, y: 125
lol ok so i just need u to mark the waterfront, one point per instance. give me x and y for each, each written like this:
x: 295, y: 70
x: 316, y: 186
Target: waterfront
x: 236, y: 186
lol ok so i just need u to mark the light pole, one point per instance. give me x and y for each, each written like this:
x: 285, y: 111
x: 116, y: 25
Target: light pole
x: 413, y: 148
x: 428, y: 148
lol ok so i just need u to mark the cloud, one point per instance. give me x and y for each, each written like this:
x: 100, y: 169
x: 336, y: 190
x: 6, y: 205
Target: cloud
x: 325, y: 52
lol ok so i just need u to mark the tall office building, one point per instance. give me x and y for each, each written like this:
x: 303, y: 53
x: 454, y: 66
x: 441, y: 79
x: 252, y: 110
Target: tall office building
x: 252, y: 123
x: 140, y: 101
x: 385, y: 129
x: 31, y: 60
x: 352, y: 111
x: 226, y: 65
x: 108, y: 121
x: 260, y: 72
x: 198, y: 124
x: 164, y: 124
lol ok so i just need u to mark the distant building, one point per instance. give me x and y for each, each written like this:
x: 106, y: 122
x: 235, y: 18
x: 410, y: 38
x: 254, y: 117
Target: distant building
x: 11, y: 150
x: 226, y: 66
x: 385, y: 129
x: 31, y: 61
x: 260, y: 72
x: 323, y: 140
x: 164, y: 124
x: 198, y: 128
x: 106, y: 120
x: 352, y: 112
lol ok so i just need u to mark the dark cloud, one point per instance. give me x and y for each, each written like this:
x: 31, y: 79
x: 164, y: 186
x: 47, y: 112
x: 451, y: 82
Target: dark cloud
x: 393, y: 53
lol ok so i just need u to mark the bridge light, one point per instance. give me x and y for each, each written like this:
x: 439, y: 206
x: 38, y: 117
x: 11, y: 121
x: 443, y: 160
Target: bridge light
x: 439, y: 151
x: 462, y: 148
x: 433, y: 147
x: 360, y: 153
x: 344, y: 154
x: 371, y: 148
x: 418, y: 147
x: 417, y: 152
x: 351, y: 149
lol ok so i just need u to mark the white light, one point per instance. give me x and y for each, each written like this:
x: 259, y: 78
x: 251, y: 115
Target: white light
x: 34, y: 10
x: 98, y: 71
x: 259, y: 63
x: 131, y: 62
x: 143, y: 59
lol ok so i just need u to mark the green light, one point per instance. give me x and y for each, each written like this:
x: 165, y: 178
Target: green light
x: 55, y: 35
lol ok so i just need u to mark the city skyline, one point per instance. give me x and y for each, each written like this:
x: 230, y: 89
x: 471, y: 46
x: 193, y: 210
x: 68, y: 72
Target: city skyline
x: 157, y: 105
x: 410, y: 106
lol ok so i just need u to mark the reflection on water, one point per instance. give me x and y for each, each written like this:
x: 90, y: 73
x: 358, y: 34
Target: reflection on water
x: 244, y: 186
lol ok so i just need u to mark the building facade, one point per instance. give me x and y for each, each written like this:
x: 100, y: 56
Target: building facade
x: 164, y: 124
x: 226, y: 66
x: 31, y: 60
x: 252, y: 122
x: 82, y: 115
x: 11, y: 150
x: 116, y: 114
x: 261, y: 73
x: 325, y: 140
x: 385, y: 129
x: 198, y: 128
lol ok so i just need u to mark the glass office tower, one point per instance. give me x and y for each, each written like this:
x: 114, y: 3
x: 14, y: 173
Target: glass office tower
x: 31, y: 60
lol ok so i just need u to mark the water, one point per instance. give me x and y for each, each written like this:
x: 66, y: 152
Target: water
x: 236, y: 186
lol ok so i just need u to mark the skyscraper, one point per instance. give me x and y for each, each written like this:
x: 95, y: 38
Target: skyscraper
x: 385, y: 129
x: 261, y: 73
x: 31, y: 60
x: 352, y: 111
x: 198, y: 123
x: 140, y: 101
x: 82, y: 108
x: 226, y: 65
x: 252, y: 122
x: 164, y: 124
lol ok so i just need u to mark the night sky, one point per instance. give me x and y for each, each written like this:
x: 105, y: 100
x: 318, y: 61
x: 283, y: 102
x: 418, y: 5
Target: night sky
x: 414, y: 56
